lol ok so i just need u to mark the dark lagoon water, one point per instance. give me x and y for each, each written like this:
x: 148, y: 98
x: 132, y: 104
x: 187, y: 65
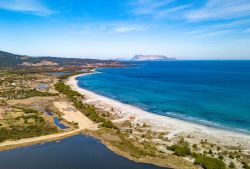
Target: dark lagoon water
x: 56, y: 120
x: 214, y: 93
x: 77, y: 152
x: 58, y: 123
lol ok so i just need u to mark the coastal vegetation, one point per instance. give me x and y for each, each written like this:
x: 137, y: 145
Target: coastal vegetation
x: 20, y: 86
x: 209, y: 162
x: 86, y: 109
x: 180, y: 150
x: 23, y: 94
x: 21, y: 123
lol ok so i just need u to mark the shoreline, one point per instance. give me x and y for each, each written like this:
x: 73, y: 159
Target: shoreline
x: 9, y: 145
x: 172, y: 126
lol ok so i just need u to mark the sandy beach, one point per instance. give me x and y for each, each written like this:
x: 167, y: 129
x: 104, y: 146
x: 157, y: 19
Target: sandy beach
x: 174, y: 127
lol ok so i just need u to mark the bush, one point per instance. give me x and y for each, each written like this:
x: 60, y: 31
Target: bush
x: 194, y: 145
x: 108, y: 124
x: 29, y: 111
x: 221, y: 157
x: 231, y: 156
x: 244, y: 165
x: 180, y: 150
x: 209, y: 162
x: 231, y: 165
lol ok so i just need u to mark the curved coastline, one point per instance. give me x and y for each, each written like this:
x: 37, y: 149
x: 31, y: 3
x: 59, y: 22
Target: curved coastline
x: 159, y: 122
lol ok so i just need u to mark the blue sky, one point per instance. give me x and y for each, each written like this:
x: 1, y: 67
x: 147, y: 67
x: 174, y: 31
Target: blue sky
x: 199, y: 29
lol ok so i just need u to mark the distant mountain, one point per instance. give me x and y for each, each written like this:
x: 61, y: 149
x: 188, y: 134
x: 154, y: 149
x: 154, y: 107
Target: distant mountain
x: 14, y: 60
x: 121, y: 59
x: 9, y: 59
x: 151, y: 58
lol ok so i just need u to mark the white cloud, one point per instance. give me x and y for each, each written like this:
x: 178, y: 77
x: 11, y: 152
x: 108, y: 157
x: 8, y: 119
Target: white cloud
x: 208, y: 33
x: 34, y: 7
x: 112, y: 28
x: 144, y: 7
x: 130, y: 28
x: 169, y: 11
x: 220, y: 9
x: 232, y: 24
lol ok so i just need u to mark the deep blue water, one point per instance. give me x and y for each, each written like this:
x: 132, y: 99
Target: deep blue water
x: 77, y: 152
x: 214, y: 93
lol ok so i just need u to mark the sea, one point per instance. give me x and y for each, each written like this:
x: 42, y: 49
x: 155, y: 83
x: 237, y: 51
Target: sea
x: 211, y: 93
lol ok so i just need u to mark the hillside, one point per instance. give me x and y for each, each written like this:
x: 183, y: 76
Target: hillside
x: 14, y: 60
x: 9, y: 59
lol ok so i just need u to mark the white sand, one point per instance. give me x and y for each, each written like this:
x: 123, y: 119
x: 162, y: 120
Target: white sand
x: 173, y: 126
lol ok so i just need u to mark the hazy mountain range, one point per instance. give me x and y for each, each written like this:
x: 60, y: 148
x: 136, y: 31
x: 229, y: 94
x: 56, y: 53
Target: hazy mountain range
x: 15, y: 60
x: 152, y: 58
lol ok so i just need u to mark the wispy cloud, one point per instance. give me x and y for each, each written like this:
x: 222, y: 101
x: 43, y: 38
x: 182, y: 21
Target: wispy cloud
x: 112, y: 28
x: 166, y: 12
x: 247, y: 30
x: 34, y: 7
x: 220, y: 9
x: 233, y: 24
x: 143, y: 7
x: 208, y: 33
x: 159, y: 8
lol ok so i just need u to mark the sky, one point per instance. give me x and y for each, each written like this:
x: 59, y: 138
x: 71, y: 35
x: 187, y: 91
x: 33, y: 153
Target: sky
x: 106, y: 29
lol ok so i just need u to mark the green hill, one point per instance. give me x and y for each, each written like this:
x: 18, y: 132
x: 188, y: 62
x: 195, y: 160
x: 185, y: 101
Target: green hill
x: 9, y: 59
x: 14, y: 60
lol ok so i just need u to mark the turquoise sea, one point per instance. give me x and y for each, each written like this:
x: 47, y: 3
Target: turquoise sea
x: 213, y: 93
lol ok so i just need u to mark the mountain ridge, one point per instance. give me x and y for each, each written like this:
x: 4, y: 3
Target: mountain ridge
x: 152, y: 58
x: 11, y: 60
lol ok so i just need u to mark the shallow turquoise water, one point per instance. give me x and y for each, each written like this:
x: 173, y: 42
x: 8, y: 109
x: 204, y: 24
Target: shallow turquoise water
x: 214, y: 93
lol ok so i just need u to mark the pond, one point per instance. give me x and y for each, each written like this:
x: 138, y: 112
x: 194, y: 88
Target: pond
x: 58, y: 123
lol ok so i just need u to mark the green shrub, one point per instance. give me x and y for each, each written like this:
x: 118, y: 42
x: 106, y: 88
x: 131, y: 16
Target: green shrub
x: 29, y: 111
x: 194, y: 145
x: 209, y: 162
x: 108, y: 124
x: 244, y: 165
x: 220, y: 157
x: 180, y: 150
x: 231, y: 165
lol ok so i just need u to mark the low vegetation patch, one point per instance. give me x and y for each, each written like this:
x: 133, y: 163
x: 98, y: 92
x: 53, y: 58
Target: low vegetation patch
x: 209, y: 162
x: 86, y: 109
x: 28, y: 123
x: 180, y: 150
x: 24, y: 94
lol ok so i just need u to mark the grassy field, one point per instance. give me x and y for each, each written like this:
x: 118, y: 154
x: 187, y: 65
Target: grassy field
x: 24, y: 123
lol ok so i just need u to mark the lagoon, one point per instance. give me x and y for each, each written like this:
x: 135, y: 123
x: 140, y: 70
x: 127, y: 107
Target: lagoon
x: 76, y: 152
